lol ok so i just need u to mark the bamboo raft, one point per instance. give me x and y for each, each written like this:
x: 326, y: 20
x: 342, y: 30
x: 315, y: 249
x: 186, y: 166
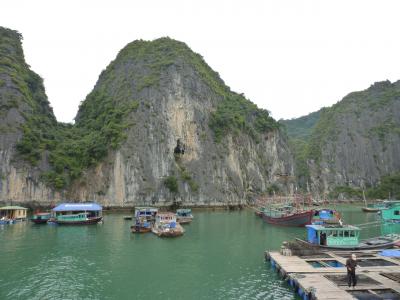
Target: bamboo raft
x: 378, y: 276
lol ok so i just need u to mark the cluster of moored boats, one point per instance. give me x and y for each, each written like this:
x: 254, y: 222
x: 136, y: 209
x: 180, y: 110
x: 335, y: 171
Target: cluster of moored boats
x: 163, y: 224
x: 63, y: 214
x: 326, y: 229
x: 146, y: 219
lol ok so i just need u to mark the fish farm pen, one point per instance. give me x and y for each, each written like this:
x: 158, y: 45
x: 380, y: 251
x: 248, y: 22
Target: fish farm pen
x: 323, y: 274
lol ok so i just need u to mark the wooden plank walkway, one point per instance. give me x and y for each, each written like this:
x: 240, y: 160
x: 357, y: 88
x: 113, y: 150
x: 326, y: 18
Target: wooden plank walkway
x: 327, y: 282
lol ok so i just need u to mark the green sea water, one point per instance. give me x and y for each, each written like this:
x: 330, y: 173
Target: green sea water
x: 221, y: 256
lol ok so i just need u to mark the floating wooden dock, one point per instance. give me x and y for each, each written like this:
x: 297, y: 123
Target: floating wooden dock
x: 324, y: 276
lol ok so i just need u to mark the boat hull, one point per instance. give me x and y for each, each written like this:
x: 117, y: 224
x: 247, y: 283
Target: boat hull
x: 175, y: 232
x: 369, y: 209
x: 295, y: 220
x: 91, y: 221
x: 140, y: 229
x: 39, y: 221
x: 362, y: 246
x: 184, y: 220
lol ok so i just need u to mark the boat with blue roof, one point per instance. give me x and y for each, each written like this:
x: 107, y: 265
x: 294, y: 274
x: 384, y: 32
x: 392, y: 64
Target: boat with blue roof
x: 77, y: 214
x: 326, y: 216
x: 144, y: 219
x: 340, y: 237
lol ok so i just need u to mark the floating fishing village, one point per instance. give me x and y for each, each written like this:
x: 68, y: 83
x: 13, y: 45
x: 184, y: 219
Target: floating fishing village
x: 313, y: 264
x: 206, y: 150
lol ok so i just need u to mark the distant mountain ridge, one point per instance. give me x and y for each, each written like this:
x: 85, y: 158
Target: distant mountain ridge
x: 351, y: 146
x: 301, y: 128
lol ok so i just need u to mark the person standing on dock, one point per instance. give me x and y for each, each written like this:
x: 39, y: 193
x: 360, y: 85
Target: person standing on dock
x: 351, y: 264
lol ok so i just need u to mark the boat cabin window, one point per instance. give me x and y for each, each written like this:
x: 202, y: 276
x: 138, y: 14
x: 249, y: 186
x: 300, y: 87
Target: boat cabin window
x: 397, y: 212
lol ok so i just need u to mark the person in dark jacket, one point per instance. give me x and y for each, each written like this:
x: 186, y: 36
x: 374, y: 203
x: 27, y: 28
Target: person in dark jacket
x: 351, y: 264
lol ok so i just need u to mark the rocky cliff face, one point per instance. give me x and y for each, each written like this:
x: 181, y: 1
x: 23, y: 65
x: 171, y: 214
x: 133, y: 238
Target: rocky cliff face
x: 355, y: 142
x: 22, y: 96
x: 159, y: 127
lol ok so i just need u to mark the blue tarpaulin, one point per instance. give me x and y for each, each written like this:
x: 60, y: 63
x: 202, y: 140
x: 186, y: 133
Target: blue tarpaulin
x: 78, y: 207
x: 390, y: 253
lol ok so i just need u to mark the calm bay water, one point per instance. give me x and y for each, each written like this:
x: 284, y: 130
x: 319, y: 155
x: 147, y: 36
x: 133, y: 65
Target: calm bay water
x: 219, y: 257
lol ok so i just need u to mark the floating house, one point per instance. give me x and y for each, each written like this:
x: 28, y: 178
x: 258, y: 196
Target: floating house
x: 77, y: 213
x: 10, y: 214
x: 391, y: 212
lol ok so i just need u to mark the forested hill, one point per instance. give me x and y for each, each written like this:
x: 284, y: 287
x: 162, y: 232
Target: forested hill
x: 301, y: 128
x: 351, y: 146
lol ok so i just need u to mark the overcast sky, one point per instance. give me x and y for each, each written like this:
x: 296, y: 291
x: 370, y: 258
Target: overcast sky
x: 290, y: 57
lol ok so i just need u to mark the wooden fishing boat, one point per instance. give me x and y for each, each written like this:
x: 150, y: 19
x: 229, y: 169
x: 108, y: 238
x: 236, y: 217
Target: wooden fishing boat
x: 41, y: 217
x: 12, y: 214
x: 141, y: 227
x: 287, y: 216
x: 167, y: 226
x: 184, y: 215
x: 370, y: 209
x: 336, y: 237
x: 144, y: 219
x: 326, y: 216
x: 77, y: 214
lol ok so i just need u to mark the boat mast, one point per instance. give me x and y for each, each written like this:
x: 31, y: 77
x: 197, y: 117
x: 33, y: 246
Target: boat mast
x: 365, y: 200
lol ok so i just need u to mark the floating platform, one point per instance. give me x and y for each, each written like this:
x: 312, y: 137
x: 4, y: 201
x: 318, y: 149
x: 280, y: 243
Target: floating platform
x: 323, y: 275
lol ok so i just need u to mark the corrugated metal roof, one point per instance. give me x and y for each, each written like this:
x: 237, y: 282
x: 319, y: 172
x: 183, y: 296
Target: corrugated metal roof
x: 12, y: 207
x: 78, y: 207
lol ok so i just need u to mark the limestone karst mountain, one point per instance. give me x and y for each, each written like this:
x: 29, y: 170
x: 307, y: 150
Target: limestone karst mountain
x: 352, y: 146
x: 160, y: 126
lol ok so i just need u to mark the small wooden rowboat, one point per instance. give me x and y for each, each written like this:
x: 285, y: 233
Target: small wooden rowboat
x: 370, y: 209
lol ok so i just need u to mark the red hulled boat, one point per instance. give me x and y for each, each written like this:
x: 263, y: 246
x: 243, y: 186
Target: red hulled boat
x: 298, y: 219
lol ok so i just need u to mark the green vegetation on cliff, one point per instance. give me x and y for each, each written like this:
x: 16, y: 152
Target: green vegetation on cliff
x: 315, y: 138
x: 73, y: 148
x: 388, y: 188
x: 21, y: 87
x: 301, y: 128
x: 64, y: 151
x: 69, y: 149
x: 234, y: 113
